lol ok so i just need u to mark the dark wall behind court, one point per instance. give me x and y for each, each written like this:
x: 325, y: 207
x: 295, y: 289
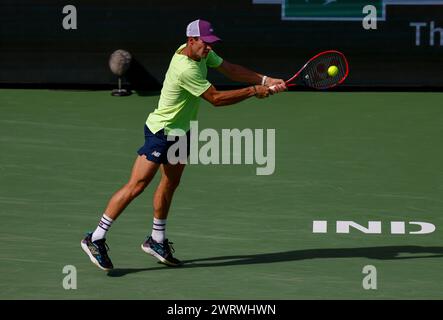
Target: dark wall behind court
x: 35, y: 49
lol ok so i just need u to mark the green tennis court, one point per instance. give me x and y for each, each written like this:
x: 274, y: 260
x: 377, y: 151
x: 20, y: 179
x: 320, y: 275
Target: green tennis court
x: 339, y: 157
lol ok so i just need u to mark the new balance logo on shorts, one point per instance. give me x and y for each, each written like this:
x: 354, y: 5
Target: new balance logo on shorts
x: 156, y: 154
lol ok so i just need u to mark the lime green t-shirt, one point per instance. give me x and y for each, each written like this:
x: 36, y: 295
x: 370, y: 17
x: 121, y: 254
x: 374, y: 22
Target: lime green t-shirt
x: 184, y: 82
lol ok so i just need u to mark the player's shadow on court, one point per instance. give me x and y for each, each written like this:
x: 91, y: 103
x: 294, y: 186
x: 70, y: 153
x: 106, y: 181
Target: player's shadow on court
x: 380, y: 253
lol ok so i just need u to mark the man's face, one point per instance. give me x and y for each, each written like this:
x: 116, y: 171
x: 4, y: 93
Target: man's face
x: 199, y: 48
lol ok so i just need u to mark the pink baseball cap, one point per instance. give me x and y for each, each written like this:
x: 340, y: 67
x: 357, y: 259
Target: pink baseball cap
x: 202, y: 29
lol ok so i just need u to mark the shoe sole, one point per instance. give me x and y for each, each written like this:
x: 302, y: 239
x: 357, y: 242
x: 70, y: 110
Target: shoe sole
x: 159, y: 257
x: 93, y: 260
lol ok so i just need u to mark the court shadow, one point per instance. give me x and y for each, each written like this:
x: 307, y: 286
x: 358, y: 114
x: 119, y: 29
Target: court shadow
x: 379, y: 253
x: 120, y: 272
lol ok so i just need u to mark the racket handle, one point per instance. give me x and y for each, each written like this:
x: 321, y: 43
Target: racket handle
x: 275, y: 89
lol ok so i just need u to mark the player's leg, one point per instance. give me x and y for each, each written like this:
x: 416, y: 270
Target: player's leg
x: 157, y: 244
x: 94, y: 243
x: 142, y: 173
x: 171, y: 176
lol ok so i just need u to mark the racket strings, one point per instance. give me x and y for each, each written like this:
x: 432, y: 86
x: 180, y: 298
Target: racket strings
x: 316, y: 73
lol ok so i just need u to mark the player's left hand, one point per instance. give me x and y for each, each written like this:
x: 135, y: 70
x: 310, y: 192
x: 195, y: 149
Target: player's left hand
x: 279, y: 84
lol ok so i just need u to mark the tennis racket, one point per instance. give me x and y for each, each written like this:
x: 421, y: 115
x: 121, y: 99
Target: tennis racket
x: 314, y: 74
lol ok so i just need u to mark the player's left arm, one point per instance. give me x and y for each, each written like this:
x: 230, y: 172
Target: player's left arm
x: 239, y: 73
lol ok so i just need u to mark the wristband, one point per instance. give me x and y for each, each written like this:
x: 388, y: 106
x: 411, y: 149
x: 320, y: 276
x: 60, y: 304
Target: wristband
x: 263, y: 80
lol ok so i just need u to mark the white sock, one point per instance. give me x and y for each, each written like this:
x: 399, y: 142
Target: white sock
x: 102, y: 228
x: 159, y: 230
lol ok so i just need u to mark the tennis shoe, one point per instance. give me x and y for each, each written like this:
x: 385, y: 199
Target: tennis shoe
x: 97, y: 252
x: 162, y: 251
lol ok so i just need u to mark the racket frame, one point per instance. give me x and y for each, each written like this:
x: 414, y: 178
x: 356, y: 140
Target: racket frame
x: 288, y: 84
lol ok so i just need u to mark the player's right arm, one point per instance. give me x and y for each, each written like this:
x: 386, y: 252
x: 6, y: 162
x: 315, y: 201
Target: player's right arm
x: 227, y: 97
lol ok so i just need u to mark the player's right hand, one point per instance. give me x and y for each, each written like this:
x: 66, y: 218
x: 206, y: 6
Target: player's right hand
x: 262, y: 91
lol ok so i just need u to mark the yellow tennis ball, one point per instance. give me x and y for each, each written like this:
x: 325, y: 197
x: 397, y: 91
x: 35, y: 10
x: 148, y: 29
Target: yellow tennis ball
x: 332, y: 71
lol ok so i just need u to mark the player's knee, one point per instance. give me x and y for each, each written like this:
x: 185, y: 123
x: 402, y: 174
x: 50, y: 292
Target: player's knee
x: 172, y: 184
x: 135, y: 188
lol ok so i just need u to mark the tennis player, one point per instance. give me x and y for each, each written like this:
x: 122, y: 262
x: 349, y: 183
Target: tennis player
x: 185, y: 82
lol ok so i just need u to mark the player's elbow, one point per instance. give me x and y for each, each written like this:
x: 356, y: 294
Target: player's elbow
x: 214, y: 98
x: 217, y: 102
x: 218, y: 99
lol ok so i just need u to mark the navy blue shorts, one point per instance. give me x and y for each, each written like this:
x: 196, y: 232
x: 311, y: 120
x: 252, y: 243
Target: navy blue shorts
x: 156, y: 146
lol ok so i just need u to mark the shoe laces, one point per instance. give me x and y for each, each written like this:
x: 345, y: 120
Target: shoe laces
x: 102, y: 247
x: 169, y: 246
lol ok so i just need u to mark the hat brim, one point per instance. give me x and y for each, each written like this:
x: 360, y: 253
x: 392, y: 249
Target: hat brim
x: 210, y: 39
